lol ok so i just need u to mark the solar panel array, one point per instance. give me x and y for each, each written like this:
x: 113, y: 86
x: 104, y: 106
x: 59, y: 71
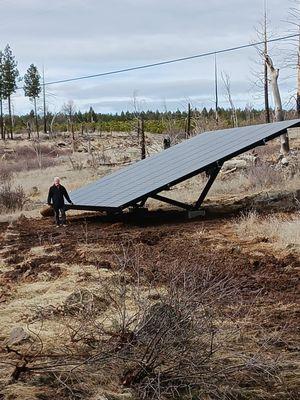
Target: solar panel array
x: 151, y: 175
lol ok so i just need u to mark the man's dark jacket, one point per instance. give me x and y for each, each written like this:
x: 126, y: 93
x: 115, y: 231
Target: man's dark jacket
x: 56, y: 196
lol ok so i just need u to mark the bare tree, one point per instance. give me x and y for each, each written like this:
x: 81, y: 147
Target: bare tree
x: 139, y: 124
x: 44, y: 103
x: 274, y: 73
x: 265, y: 52
x: 69, y: 110
x: 261, y: 78
x: 294, y: 59
x: 227, y: 84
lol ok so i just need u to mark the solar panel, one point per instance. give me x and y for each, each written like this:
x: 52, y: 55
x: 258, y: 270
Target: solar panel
x: 133, y: 183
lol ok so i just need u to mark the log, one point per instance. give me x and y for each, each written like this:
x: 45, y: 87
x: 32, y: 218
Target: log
x: 47, y: 211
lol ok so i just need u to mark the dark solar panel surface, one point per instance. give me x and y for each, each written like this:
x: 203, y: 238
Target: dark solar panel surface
x: 174, y: 164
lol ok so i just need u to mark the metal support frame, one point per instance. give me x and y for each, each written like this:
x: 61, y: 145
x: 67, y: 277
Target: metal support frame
x: 92, y: 208
x: 171, y: 201
x: 213, y: 173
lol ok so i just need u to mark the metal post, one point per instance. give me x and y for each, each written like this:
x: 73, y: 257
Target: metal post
x: 213, y: 173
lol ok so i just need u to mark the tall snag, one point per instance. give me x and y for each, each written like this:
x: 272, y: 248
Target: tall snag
x: 274, y: 74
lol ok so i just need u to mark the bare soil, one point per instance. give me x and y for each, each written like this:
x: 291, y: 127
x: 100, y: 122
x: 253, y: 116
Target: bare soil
x: 267, y: 280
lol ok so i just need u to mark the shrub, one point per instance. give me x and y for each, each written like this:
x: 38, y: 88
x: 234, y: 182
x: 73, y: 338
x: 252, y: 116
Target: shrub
x: 37, y: 156
x: 6, y: 174
x: 282, y: 231
x: 11, y: 199
x: 264, y: 176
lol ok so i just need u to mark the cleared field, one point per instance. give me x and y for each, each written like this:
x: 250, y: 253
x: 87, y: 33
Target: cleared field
x: 154, y: 306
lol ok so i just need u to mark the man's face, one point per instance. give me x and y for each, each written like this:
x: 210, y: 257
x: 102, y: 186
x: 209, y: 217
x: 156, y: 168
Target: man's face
x: 56, y: 182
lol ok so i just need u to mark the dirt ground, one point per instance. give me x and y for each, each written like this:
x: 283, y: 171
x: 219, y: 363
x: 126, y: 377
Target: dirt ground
x: 245, y: 284
x: 42, y: 265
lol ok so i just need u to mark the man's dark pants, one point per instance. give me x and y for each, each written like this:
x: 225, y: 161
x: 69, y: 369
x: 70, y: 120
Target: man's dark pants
x: 60, y: 211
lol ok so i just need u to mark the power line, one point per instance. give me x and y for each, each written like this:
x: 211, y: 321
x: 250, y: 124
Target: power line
x: 172, y: 61
x: 119, y: 71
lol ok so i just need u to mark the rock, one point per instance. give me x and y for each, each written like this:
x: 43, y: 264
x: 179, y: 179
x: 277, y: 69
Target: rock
x: 83, y: 300
x: 238, y: 164
x: 17, y: 336
x: 284, y: 161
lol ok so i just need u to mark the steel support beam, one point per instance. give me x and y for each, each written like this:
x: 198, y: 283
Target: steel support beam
x: 171, y: 201
x: 91, y: 208
x: 213, y: 173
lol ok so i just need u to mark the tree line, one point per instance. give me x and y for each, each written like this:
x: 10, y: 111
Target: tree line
x: 154, y: 121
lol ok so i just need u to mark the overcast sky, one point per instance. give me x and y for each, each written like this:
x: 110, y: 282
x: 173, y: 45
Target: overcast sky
x: 83, y: 37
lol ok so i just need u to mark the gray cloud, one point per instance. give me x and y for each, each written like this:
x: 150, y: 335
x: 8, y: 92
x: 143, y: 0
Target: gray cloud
x: 79, y: 37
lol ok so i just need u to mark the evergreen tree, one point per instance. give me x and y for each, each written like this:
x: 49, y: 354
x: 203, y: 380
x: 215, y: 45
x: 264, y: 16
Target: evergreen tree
x: 1, y: 97
x: 32, y: 89
x: 93, y: 115
x: 10, y: 74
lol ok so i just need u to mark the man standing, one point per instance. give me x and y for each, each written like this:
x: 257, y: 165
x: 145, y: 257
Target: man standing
x: 56, y: 196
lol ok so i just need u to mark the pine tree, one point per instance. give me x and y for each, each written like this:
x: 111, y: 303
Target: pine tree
x: 1, y: 97
x: 32, y: 89
x: 10, y: 74
x: 93, y: 115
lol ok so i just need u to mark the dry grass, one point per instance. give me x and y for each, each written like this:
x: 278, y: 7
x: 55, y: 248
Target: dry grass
x: 283, y: 232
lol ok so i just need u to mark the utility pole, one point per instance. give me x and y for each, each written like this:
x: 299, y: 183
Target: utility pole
x: 44, y: 103
x: 216, y: 92
x: 266, y: 83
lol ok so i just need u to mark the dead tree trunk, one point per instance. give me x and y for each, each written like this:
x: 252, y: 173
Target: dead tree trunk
x: 227, y: 84
x: 143, y: 140
x: 44, y: 104
x: 28, y: 128
x: 266, y: 94
x: 298, y: 79
x: 188, y: 123
x: 274, y: 73
x: 266, y: 83
x: 36, y: 118
x: 52, y: 124
x: 10, y: 118
x: 1, y: 120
